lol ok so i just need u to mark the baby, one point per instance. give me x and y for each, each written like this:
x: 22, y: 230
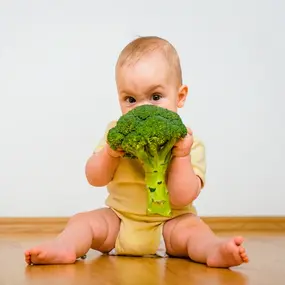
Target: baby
x: 147, y: 72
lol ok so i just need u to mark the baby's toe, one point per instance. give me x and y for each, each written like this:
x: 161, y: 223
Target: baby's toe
x: 241, y: 250
x: 244, y: 257
x: 238, y: 240
x: 28, y: 257
x: 243, y: 254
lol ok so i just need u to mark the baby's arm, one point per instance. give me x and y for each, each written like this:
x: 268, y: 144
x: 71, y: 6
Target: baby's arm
x: 102, y: 165
x: 183, y: 183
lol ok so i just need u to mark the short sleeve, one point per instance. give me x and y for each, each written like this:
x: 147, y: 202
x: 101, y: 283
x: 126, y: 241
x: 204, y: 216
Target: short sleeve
x: 198, y: 160
x: 103, y: 140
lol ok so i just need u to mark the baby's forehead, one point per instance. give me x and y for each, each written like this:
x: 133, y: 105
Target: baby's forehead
x: 145, y: 47
x: 156, y: 59
x: 129, y: 56
x: 148, y: 60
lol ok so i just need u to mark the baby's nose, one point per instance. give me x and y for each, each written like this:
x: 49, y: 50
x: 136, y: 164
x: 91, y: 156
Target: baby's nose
x: 143, y: 103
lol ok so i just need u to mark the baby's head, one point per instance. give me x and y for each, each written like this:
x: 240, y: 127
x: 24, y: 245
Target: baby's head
x: 148, y: 72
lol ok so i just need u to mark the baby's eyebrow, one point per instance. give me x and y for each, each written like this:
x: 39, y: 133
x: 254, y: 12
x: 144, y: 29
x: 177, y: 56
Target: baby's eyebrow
x: 124, y: 93
x: 154, y: 87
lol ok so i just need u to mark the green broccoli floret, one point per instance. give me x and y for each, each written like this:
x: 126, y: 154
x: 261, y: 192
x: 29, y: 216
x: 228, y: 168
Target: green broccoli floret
x: 148, y: 133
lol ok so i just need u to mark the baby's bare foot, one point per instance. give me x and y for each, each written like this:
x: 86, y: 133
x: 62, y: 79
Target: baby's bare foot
x: 53, y: 252
x: 227, y: 253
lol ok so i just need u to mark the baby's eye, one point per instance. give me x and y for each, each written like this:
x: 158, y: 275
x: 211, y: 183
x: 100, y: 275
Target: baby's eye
x: 131, y: 100
x: 156, y: 96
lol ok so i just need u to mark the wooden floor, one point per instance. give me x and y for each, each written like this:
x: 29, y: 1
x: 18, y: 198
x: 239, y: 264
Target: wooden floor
x: 267, y: 267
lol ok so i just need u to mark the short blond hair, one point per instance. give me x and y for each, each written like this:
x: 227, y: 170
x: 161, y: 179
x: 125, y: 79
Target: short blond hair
x: 142, y: 46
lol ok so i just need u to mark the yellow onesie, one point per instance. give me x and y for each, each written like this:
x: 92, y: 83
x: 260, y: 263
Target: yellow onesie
x: 140, y: 234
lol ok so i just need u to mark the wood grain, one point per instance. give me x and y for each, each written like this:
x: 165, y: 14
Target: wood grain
x: 266, y: 266
x: 44, y: 225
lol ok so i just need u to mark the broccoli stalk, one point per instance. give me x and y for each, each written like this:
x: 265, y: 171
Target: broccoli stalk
x: 155, y: 166
x: 148, y: 133
x: 158, y: 200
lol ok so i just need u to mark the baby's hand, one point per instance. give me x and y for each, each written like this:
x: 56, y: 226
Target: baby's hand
x: 114, y: 153
x: 183, y: 146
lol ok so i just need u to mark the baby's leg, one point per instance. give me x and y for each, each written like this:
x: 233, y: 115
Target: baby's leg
x: 188, y: 236
x: 95, y: 229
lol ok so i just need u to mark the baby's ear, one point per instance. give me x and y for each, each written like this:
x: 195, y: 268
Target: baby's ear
x: 182, y: 94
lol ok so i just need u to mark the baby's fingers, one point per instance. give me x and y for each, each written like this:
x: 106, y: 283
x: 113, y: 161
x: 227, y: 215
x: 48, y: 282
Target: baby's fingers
x: 115, y: 153
x: 189, y: 131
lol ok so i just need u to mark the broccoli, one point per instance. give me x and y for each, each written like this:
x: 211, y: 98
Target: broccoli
x: 148, y: 133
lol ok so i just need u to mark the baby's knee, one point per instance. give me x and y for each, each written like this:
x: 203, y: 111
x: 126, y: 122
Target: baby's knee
x: 181, y: 226
x: 78, y: 217
x: 188, y: 221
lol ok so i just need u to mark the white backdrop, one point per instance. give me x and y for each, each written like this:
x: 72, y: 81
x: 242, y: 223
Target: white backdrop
x: 58, y: 93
